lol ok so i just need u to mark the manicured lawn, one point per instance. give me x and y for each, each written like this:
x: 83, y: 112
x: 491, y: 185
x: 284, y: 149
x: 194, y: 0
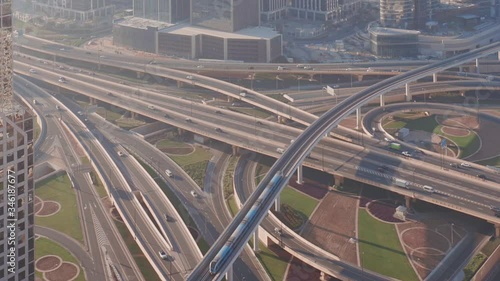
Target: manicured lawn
x: 195, y: 164
x: 165, y: 143
x: 274, y: 265
x: 67, y: 220
x: 233, y: 207
x: 415, y: 121
x: 427, y: 123
x: 198, y: 155
x: 36, y: 129
x: 129, y: 123
x: 101, y: 190
x: 203, y: 245
x: 44, y: 246
x: 381, y: 250
x: 468, y: 144
x: 228, y: 176
x: 142, y: 262
x: 473, y: 266
x: 299, y: 201
x: 197, y: 172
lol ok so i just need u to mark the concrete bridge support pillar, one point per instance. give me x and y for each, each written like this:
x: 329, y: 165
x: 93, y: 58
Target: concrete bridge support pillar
x: 256, y: 240
x: 477, y: 65
x: 281, y: 119
x: 407, y: 92
x: 229, y: 273
x: 382, y: 101
x: 140, y: 75
x: 408, y: 202
x: 323, y: 276
x: 180, y: 131
x: 358, y: 118
x: 339, y: 180
x: 180, y: 84
x: 300, y: 179
x: 236, y: 150
x: 230, y: 99
x: 359, y: 77
x: 461, y: 69
x: 133, y: 114
x: 497, y: 230
x: 434, y: 77
x: 92, y: 101
x: 277, y: 203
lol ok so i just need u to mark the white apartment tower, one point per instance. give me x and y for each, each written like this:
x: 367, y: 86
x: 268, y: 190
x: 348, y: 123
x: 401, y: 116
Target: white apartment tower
x: 17, y: 241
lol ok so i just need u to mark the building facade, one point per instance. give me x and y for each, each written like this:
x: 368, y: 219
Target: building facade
x: 225, y: 15
x: 394, y: 43
x: 407, y: 14
x: 323, y: 10
x: 271, y: 10
x: 80, y: 10
x: 170, y: 11
x: 17, y: 240
x: 397, y: 13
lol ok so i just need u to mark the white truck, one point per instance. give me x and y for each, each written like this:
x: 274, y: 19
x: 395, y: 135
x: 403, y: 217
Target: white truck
x: 401, y: 183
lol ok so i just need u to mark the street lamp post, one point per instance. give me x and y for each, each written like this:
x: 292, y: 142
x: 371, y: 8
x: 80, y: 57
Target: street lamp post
x: 298, y: 83
x: 451, y: 227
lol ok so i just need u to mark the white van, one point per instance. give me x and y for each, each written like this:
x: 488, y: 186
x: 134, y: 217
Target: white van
x: 280, y: 150
x: 169, y: 173
x: 429, y: 189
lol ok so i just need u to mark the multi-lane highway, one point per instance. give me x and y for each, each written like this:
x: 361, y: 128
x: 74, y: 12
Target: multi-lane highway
x: 90, y: 206
x: 299, y: 149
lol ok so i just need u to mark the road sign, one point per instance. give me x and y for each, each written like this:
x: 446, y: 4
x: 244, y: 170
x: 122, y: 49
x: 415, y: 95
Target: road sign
x: 443, y: 143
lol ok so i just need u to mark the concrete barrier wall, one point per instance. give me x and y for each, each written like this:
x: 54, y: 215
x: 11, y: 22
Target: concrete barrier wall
x: 125, y: 218
x: 165, y: 199
x: 158, y: 218
x: 51, y: 174
x: 491, y: 264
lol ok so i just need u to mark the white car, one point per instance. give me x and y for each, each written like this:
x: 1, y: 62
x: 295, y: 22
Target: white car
x: 80, y: 113
x: 466, y: 165
x: 406, y: 153
x: 200, y: 66
x: 194, y: 194
x: 120, y: 153
x: 163, y: 255
x: 32, y: 70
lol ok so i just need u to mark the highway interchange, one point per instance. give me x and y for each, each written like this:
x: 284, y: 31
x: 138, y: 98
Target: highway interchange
x: 234, y: 128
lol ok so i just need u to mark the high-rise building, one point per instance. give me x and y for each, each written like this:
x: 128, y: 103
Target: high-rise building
x: 397, y: 13
x: 170, y: 11
x: 81, y: 10
x: 225, y: 15
x: 273, y: 9
x: 323, y: 10
x: 407, y: 14
x: 17, y: 241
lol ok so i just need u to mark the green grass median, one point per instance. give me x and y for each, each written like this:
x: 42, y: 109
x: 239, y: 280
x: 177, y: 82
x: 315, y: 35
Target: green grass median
x: 381, y: 250
x: 45, y: 246
x: 67, y: 219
